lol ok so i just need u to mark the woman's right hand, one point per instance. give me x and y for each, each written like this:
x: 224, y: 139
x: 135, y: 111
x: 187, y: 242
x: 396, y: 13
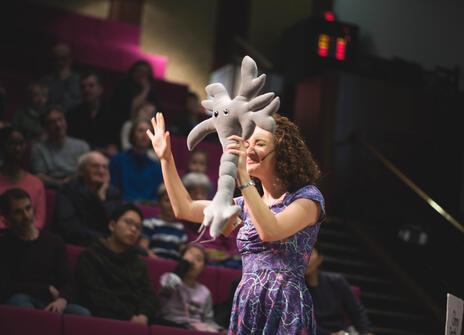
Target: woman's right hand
x: 160, y: 140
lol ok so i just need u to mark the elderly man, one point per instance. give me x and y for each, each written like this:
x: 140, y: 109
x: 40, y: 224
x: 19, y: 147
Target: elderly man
x: 84, y: 205
x: 54, y: 160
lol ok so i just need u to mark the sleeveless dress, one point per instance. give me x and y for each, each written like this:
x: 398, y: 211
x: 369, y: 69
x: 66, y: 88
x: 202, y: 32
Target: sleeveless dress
x: 272, y: 297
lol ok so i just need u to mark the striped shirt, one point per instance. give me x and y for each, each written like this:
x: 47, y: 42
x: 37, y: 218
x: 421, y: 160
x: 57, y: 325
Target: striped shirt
x: 165, y: 237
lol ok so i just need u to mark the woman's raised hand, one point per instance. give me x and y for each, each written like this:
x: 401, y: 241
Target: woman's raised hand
x: 160, y: 140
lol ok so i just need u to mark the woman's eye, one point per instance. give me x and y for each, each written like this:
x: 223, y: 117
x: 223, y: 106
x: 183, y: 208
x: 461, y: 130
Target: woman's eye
x: 226, y: 112
x: 216, y: 113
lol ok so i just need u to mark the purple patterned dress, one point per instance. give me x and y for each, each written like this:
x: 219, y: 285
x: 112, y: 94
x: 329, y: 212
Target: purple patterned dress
x: 272, y: 297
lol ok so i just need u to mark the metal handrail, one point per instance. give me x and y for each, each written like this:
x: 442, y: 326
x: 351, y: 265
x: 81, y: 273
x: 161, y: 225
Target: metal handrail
x: 414, y: 187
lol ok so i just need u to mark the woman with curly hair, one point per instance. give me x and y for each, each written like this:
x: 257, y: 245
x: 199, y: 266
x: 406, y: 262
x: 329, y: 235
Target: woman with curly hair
x: 279, y: 228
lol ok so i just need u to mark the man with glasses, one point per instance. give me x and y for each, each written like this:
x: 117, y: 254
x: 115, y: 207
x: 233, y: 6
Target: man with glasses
x: 84, y: 205
x: 112, y: 280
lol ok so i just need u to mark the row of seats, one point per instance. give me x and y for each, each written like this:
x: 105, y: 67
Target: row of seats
x: 218, y: 279
x: 20, y: 321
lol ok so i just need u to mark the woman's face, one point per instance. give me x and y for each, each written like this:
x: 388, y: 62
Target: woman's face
x: 15, y: 146
x: 195, y: 256
x: 260, y: 153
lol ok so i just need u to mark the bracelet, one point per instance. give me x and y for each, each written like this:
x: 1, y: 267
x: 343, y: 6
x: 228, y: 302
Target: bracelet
x: 248, y: 183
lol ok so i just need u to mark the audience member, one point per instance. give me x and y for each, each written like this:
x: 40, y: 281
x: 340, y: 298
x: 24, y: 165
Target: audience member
x: 198, y: 161
x: 198, y: 185
x: 334, y: 301
x: 84, y: 205
x: 27, y: 120
x: 146, y: 112
x: 12, y: 149
x: 133, y: 172
x: 112, y: 280
x: 222, y: 250
x: 135, y: 90
x: 54, y: 160
x: 185, y: 301
x: 90, y: 119
x: 63, y: 82
x: 163, y: 236
x: 33, y: 262
x: 194, y: 114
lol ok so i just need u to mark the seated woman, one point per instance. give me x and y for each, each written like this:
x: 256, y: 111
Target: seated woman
x: 185, y: 301
x: 12, y: 175
x: 133, y: 172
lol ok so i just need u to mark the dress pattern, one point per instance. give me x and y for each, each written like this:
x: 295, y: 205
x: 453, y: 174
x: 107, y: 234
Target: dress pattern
x: 272, y: 297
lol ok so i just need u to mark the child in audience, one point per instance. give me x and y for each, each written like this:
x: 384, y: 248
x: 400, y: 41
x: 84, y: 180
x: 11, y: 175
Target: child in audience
x: 223, y: 250
x: 185, y: 301
x: 163, y: 236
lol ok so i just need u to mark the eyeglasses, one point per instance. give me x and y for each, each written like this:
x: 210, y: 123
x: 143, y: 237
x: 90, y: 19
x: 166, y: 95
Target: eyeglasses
x: 132, y: 224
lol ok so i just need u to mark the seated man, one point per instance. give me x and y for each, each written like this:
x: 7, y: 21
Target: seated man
x: 33, y: 262
x: 133, y: 172
x: 333, y: 301
x: 112, y: 280
x: 163, y: 236
x: 91, y: 119
x: 54, y: 160
x: 85, y: 204
x: 27, y: 119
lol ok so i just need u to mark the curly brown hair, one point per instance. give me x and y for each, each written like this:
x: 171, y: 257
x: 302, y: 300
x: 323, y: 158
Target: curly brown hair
x: 295, y: 164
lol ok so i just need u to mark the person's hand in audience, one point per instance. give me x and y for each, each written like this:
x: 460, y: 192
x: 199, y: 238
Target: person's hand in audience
x: 57, y: 306
x: 104, y: 186
x: 140, y: 319
x: 160, y: 140
x: 54, y: 292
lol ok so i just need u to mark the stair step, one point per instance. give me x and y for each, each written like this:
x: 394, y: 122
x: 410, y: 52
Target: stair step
x: 327, y: 246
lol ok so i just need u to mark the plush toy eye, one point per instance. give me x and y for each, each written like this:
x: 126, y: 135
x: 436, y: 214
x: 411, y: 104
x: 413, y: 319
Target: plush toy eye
x: 226, y: 112
x: 216, y: 113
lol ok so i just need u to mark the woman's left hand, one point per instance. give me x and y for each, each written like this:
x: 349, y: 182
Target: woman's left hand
x: 238, y: 146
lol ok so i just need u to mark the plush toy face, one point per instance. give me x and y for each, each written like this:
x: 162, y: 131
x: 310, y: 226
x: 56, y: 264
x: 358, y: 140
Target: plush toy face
x: 226, y: 117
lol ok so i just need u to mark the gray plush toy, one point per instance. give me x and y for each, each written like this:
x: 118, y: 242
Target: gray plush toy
x: 237, y: 116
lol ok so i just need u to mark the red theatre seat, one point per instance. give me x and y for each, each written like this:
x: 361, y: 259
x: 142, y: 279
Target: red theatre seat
x: 22, y: 321
x: 78, y: 325
x: 163, y: 330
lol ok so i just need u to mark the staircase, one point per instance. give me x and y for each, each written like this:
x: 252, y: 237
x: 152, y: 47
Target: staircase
x: 391, y: 310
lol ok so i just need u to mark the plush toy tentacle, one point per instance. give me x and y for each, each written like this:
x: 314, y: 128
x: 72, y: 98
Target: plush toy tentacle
x: 208, y: 104
x: 260, y: 101
x: 221, y: 208
x: 250, y: 89
x: 263, y: 118
x: 199, y: 132
x: 217, y: 91
x: 250, y: 85
x: 248, y: 126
